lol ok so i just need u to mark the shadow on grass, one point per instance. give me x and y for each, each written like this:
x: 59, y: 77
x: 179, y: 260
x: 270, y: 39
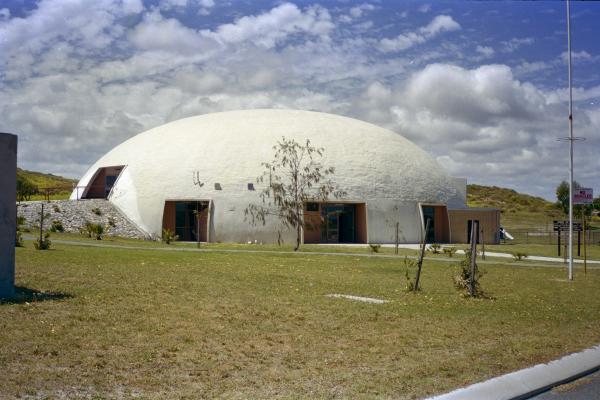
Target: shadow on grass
x: 26, y: 295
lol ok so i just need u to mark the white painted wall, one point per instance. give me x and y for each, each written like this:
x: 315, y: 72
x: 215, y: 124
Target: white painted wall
x: 373, y: 165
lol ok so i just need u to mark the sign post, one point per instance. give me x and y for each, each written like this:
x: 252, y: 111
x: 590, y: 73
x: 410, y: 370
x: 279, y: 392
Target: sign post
x: 8, y: 213
x: 583, y: 196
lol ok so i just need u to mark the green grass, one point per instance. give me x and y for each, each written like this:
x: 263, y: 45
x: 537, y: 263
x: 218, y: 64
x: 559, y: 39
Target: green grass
x: 258, y: 325
x: 593, y: 252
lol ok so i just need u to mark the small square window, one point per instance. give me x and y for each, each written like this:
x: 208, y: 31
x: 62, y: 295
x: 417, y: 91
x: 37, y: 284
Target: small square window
x: 218, y: 186
x: 250, y: 186
x: 312, y: 206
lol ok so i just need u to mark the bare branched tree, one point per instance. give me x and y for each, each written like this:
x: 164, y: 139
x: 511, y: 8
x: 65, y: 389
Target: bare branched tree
x: 294, y: 176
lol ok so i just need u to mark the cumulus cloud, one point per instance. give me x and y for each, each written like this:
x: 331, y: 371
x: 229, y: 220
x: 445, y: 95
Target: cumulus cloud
x: 509, y: 46
x: 72, y: 90
x: 485, y: 51
x: 441, y: 23
x: 274, y: 26
x: 482, y: 123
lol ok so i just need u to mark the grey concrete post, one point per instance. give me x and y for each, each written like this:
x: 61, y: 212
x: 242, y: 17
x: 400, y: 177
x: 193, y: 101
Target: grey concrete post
x: 8, y: 213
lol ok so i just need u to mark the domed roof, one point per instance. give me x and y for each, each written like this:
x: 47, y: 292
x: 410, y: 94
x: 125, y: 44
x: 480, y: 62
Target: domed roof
x: 228, y: 148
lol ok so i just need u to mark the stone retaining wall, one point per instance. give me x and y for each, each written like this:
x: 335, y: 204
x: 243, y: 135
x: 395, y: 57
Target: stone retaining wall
x: 73, y: 215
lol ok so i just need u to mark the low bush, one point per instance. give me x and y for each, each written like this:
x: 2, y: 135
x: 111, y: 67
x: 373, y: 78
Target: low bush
x: 462, y: 278
x: 112, y: 222
x: 168, y: 236
x: 43, y: 243
x: 435, y: 248
x: 97, y: 211
x: 57, y: 226
x: 374, y: 247
x: 56, y: 208
x: 449, y: 251
x: 410, y: 271
x: 92, y: 230
x: 19, y: 239
x: 518, y: 255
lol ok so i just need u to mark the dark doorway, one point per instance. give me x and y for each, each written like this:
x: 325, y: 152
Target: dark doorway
x: 429, y: 215
x: 470, y: 228
x: 339, y: 223
x: 187, y: 219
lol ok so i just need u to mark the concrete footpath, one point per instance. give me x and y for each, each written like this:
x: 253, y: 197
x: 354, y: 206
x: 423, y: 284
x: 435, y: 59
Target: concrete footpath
x: 529, y: 382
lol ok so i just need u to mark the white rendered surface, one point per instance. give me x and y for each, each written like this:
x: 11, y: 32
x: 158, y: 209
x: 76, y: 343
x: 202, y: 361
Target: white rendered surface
x: 373, y: 165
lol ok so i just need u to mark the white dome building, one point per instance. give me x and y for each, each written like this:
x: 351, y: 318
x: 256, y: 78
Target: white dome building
x: 211, y: 163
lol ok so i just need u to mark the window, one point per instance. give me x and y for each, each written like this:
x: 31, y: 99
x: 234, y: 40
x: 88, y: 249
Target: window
x: 250, y: 186
x: 312, y: 206
x: 218, y: 186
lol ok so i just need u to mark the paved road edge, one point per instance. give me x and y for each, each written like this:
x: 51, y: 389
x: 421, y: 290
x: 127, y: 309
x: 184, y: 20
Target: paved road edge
x: 528, y: 382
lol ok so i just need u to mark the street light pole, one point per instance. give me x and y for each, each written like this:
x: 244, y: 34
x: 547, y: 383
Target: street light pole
x: 570, y: 142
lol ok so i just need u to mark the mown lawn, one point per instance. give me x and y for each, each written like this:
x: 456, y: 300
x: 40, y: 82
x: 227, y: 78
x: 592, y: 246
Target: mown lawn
x: 161, y: 324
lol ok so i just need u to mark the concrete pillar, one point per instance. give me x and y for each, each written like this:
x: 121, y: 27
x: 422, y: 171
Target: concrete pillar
x: 8, y: 213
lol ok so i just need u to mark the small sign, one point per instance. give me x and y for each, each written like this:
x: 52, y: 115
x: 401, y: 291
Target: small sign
x: 563, y: 226
x: 583, y: 196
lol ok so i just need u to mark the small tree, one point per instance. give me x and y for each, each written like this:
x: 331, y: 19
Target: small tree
x: 294, y: 176
x: 25, y: 188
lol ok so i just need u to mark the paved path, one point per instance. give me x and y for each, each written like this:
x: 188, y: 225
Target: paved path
x: 586, y: 388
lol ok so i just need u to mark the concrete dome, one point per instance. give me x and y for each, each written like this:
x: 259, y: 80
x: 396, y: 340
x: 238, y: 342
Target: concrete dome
x: 372, y: 164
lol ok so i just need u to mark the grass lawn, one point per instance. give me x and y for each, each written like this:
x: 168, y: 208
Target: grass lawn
x: 548, y: 250
x: 176, y: 325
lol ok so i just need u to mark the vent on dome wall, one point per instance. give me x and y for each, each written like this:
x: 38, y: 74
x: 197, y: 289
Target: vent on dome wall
x: 218, y: 186
x: 250, y: 186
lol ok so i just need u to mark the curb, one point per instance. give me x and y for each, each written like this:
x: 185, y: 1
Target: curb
x: 529, y: 382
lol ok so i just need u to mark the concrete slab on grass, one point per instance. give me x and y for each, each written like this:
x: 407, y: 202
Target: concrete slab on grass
x: 358, y: 298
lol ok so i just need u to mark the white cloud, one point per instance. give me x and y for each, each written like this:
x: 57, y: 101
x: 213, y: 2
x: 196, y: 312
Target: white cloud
x: 4, y: 13
x: 425, y: 8
x: 485, y: 51
x: 269, y: 28
x: 509, y: 46
x: 74, y: 89
x: 441, y: 23
x: 169, y: 35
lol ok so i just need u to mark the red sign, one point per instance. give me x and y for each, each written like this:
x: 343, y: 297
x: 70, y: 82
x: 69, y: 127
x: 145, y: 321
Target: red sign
x: 583, y: 196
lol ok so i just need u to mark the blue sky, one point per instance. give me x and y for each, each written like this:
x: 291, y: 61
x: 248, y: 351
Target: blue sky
x: 480, y: 85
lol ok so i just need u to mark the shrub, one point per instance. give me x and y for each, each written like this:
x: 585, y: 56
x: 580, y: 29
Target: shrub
x: 435, y: 248
x: 374, y: 247
x: 57, y: 226
x: 92, y: 230
x: 449, y: 251
x: 43, y: 243
x: 462, y: 279
x: 97, y: 211
x: 168, y: 236
x: 112, y: 222
x: 410, y: 267
x: 56, y: 208
x: 20, y: 220
x: 19, y: 239
x: 518, y: 255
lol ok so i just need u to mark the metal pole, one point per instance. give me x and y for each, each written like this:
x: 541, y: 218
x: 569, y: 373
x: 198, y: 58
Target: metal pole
x: 570, y: 143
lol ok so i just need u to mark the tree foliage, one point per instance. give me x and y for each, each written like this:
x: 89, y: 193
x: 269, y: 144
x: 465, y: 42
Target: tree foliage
x: 295, y: 176
x: 25, y: 188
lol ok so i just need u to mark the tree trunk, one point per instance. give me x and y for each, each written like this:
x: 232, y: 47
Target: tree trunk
x: 297, y: 236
